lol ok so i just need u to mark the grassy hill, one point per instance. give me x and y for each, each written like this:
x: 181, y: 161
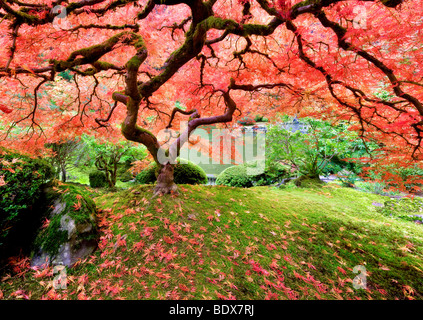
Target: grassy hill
x: 232, y: 243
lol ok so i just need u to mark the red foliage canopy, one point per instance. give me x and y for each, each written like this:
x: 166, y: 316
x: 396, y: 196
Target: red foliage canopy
x: 89, y: 65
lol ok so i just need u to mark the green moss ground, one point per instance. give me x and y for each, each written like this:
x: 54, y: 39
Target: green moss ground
x: 257, y: 243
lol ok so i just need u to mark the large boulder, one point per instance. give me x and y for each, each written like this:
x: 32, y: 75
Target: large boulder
x: 69, y: 232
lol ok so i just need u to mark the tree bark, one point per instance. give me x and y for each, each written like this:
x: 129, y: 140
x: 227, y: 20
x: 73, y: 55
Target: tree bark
x: 63, y: 173
x: 165, y: 183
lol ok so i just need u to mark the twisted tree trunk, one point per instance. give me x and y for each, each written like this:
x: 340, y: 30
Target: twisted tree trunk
x: 165, y: 183
x: 63, y: 168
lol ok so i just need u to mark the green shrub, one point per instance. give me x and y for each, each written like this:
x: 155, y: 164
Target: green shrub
x: 124, y: 173
x: 246, y: 121
x: 189, y: 173
x: 273, y: 173
x: 98, y: 179
x: 376, y: 187
x: 251, y: 174
x: 147, y: 176
x: 184, y: 173
x: 21, y: 179
x: 235, y: 176
x: 258, y: 118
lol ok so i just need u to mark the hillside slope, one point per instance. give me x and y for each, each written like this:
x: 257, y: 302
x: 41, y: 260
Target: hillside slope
x: 232, y: 243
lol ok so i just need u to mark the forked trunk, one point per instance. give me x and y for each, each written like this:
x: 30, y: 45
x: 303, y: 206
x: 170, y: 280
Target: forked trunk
x: 165, y: 183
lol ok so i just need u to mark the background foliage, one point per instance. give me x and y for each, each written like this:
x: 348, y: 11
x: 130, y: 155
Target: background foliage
x: 21, y: 179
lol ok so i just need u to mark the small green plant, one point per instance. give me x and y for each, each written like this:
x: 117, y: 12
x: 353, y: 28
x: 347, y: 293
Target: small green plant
x: 347, y: 178
x: 113, y: 159
x: 377, y: 188
x: 98, y: 179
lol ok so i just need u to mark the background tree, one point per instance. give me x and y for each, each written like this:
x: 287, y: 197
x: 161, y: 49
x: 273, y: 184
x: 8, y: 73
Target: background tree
x: 62, y: 155
x: 321, y: 149
x: 113, y: 159
x: 91, y: 64
x: 107, y: 162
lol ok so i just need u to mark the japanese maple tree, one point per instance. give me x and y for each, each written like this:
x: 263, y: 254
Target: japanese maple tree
x: 68, y: 68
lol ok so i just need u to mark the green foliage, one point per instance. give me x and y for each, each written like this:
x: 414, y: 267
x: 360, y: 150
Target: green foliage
x: 98, y: 179
x: 184, y: 173
x: 63, y: 153
x: 347, y: 178
x: 320, y: 151
x: 93, y: 147
x: 189, y: 173
x: 124, y: 174
x: 254, y: 173
x: 376, y: 187
x: 258, y: 118
x: 235, y: 176
x: 114, y: 159
x: 23, y: 178
x: 403, y: 208
x: 51, y: 238
x: 148, y: 175
x: 246, y: 121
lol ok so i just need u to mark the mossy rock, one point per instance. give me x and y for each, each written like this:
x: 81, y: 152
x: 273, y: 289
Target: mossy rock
x: 72, y: 232
x: 308, y: 182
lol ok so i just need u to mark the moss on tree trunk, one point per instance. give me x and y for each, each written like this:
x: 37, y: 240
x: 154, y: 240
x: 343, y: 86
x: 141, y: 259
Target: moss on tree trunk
x: 165, y: 180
